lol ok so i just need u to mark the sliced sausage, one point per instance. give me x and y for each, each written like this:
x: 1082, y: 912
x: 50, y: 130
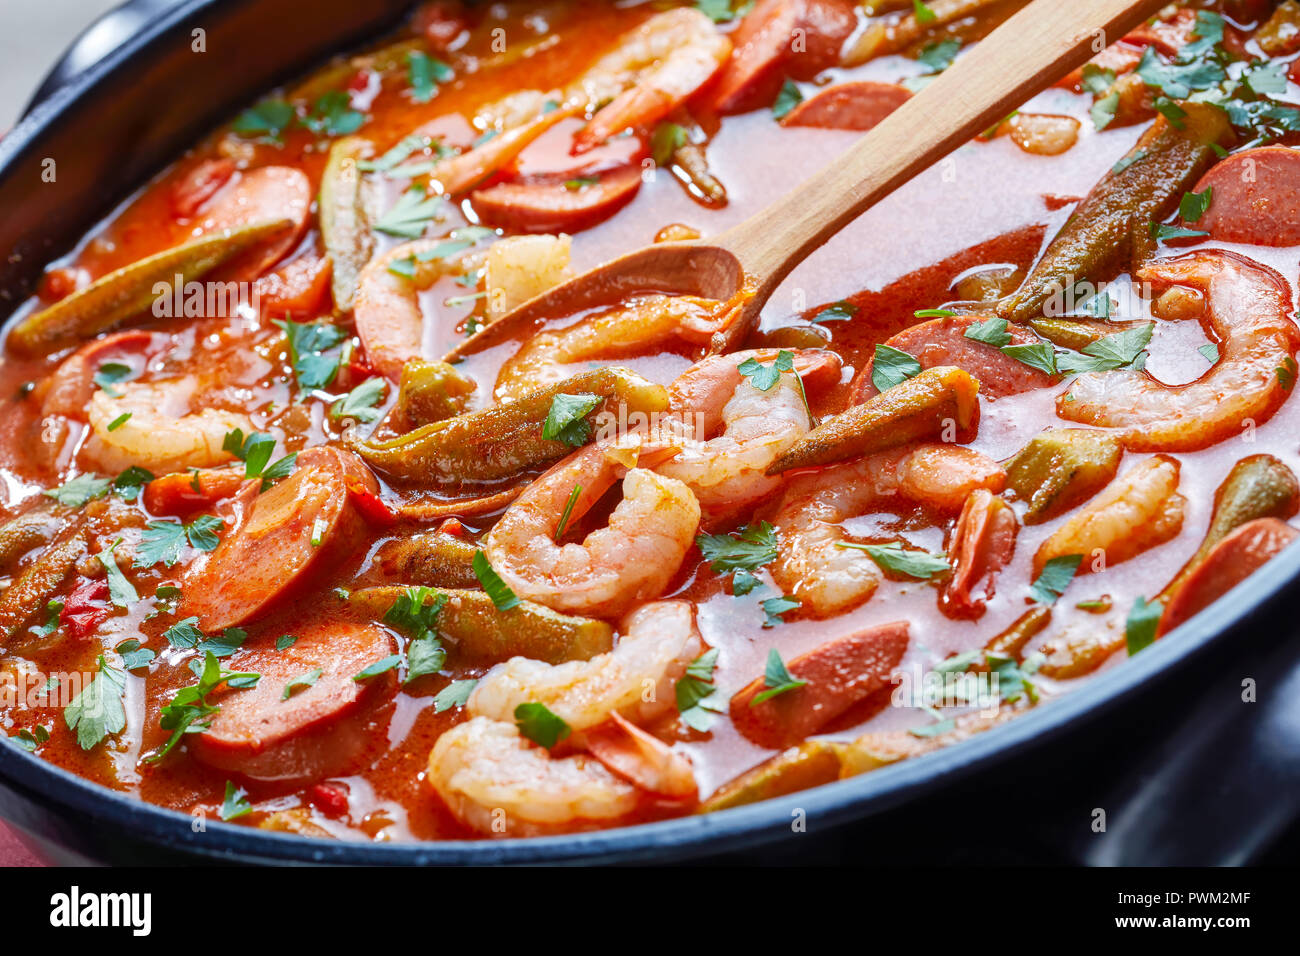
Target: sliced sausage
x: 199, y: 185
x: 1229, y: 562
x: 557, y: 207
x: 943, y: 341
x: 1256, y: 198
x: 269, y: 553
x: 839, y: 674
x: 260, y: 195
x: 856, y: 106
x: 550, y: 156
x: 319, y: 729
x: 781, y: 38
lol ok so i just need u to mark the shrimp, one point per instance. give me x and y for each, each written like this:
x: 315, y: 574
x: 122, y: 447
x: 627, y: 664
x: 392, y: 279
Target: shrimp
x: 1137, y: 511
x: 149, y: 424
x: 654, y: 69
x: 387, y: 307
x: 635, y: 680
x: 727, y: 472
x: 633, y: 328
x: 629, y: 560
x: 1246, y: 308
x: 812, y: 567
x: 494, y: 781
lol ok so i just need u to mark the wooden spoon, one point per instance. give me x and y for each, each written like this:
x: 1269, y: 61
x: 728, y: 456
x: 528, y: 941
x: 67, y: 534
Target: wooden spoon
x: 1026, y: 54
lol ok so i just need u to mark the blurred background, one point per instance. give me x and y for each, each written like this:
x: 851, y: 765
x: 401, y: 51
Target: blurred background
x: 32, y: 35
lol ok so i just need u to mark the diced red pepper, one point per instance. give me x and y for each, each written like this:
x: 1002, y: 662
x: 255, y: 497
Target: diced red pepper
x: 85, y: 609
x: 330, y: 798
x: 452, y: 526
x: 372, y: 507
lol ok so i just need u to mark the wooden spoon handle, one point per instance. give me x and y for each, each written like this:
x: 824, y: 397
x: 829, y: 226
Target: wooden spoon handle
x: 1031, y: 50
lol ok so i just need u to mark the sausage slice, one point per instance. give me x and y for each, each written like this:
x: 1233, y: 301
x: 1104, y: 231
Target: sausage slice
x: 839, y: 674
x: 282, y: 538
x: 558, y: 207
x: 320, y: 727
x: 855, y: 106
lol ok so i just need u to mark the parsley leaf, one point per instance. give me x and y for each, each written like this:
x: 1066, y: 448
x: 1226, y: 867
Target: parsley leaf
x: 76, y: 491
x: 892, y: 367
x: 1140, y: 626
x: 161, y: 541
x: 1055, y: 577
x: 992, y: 331
x: 235, y: 804
x: 764, y: 377
x: 184, y: 634
x: 308, y: 343
x: 302, y: 682
x: 1039, y: 355
x: 921, y: 565
x: 1193, y: 204
x: 773, y: 608
x: 567, y: 419
x: 129, y: 483
x: 666, y: 140
x: 120, y: 591
x: 840, y: 311
x: 786, y: 100
x: 332, y: 115
x: 536, y: 722
x: 362, y: 402
x: 425, y: 73
x: 454, y: 694
x: 255, y: 451
x: 97, y: 711
x: 694, y: 690
x: 409, y: 216
x: 497, y: 590
x: 776, y: 679
x: 189, y: 710
x: 269, y: 117
x: 1121, y: 349
x: 749, y: 548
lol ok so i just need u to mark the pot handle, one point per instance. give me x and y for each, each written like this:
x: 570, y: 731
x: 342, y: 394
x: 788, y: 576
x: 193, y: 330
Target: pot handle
x: 97, y: 41
x: 1223, y: 783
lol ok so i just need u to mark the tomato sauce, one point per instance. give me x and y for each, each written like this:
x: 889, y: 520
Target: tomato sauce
x: 991, y: 205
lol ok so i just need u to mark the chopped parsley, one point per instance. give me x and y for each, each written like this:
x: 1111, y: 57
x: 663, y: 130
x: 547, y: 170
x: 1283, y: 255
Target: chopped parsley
x: 773, y: 608
x: 893, y: 557
x: 992, y: 331
x: 1055, y: 577
x: 840, y: 311
x: 496, y: 589
x: 455, y: 694
x: 76, y: 491
x: 567, y: 419
x: 97, y: 712
x: 362, y: 403
x: 161, y: 541
x: 121, y: 592
x: 1140, y: 626
x: 189, y: 711
x: 412, y: 212
x: 764, y: 377
x: 309, y: 343
x: 235, y: 804
x: 426, y: 73
x: 255, y: 452
x: 694, y: 692
x: 332, y: 115
x: 786, y: 100
x: 776, y: 679
x: 892, y: 367
x: 301, y: 682
x: 415, y: 614
x: 536, y: 722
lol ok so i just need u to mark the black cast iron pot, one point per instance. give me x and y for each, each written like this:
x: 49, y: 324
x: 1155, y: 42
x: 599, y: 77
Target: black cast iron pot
x: 1163, y: 749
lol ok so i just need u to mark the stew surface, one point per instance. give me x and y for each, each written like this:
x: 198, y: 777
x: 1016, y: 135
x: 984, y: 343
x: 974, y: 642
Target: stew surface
x: 267, y: 557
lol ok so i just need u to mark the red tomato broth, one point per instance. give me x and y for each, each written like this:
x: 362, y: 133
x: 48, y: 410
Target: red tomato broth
x: 990, y: 204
